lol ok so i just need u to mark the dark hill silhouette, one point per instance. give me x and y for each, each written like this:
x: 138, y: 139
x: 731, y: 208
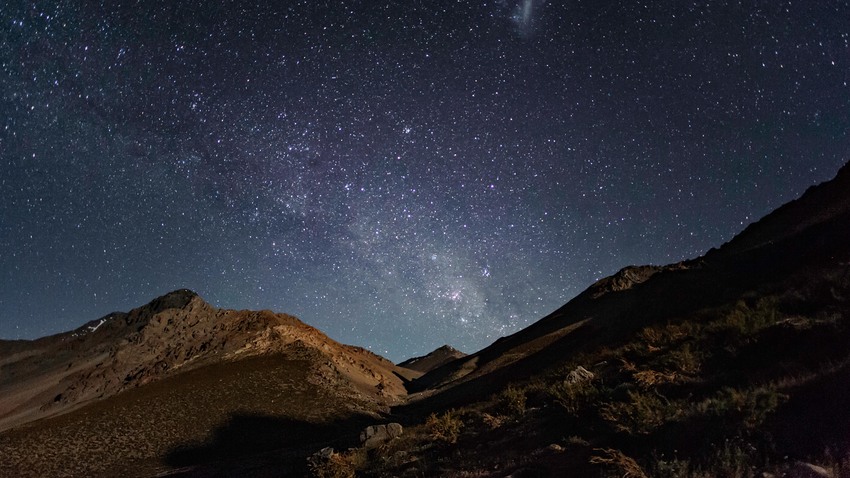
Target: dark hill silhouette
x: 808, y: 234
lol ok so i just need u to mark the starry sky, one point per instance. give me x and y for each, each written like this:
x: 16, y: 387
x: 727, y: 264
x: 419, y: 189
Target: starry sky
x: 400, y: 174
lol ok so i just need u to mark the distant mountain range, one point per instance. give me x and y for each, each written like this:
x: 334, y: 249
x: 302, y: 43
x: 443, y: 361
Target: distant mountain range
x: 736, y: 363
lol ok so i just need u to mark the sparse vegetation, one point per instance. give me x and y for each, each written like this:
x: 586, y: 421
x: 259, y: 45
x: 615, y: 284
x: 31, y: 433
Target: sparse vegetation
x: 618, y: 463
x: 511, y: 401
x: 742, y: 320
x: 445, y: 427
x: 640, y: 414
x: 334, y: 466
x: 573, y: 397
x: 747, y: 407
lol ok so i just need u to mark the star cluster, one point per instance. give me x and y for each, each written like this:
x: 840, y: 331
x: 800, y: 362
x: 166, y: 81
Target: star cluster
x: 399, y: 174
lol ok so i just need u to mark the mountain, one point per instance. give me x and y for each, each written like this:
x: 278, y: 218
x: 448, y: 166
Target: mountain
x: 436, y: 358
x: 735, y: 363
x: 146, y: 383
x: 666, y: 370
x: 810, y: 235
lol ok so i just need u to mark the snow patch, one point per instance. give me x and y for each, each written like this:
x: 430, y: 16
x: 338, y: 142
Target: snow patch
x: 92, y: 328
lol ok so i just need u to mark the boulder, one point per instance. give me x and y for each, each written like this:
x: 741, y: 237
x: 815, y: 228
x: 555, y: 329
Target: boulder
x: 321, y: 457
x: 375, y: 435
x: 580, y: 374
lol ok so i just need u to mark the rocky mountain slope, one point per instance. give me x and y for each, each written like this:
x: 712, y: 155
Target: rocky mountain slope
x: 811, y: 233
x: 432, y: 360
x: 113, y: 363
x: 735, y: 363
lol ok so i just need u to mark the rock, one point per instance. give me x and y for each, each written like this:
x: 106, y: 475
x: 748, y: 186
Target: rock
x: 808, y: 470
x: 394, y: 430
x: 326, y: 452
x: 555, y: 448
x: 580, y: 374
x: 320, y: 457
x: 375, y: 435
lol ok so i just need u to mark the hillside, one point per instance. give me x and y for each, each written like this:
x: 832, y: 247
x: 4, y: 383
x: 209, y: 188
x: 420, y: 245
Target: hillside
x: 735, y: 363
x: 436, y: 358
x: 136, y: 387
x: 790, y: 242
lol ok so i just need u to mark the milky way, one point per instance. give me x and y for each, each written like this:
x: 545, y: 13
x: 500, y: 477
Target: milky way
x: 398, y: 174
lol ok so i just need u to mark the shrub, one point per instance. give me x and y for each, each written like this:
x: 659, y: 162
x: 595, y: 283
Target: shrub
x: 743, y: 320
x: 684, y: 360
x: 573, y: 397
x: 673, y: 468
x: 615, y: 460
x: 445, y: 427
x: 640, y: 415
x: 511, y: 401
x: 747, y: 407
x: 334, y: 466
x: 650, y: 378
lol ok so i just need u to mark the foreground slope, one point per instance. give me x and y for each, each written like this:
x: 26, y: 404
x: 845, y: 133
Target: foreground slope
x: 160, y: 385
x: 808, y: 235
x: 736, y: 363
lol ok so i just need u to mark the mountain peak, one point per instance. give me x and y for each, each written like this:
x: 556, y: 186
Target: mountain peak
x: 177, y: 299
x: 438, y: 357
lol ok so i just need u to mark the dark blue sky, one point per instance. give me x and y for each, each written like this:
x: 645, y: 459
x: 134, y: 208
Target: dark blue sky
x: 398, y: 174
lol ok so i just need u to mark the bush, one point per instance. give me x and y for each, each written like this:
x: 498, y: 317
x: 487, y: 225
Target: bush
x: 334, y: 466
x: 573, y: 397
x: 651, y: 378
x: 640, y: 415
x: 749, y: 408
x: 684, y: 360
x: 445, y: 427
x: 511, y: 401
x: 743, y: 321
x: 618, y: 462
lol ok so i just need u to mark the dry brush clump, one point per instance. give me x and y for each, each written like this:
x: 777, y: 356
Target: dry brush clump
x: 731, y: 459
x: 334, y: 465
x: 573, y: 398
x: 742, y: 320
x: 512, y: 401
x: 640, y: 414
x: 617, y: 462
x: 445, y: 427
x: 745, y: 408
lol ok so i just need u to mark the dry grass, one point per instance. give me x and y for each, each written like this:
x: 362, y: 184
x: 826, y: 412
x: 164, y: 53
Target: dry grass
x: 132, y: 434
x: 619, y: 463
x: 511, y: 402
x: 445, y: 427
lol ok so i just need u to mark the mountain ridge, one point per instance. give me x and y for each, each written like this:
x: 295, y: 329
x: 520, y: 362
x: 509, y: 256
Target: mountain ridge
x: 730, y: 347
x: 719, y: 274
x: 174, y: 332
x: 436, y: 358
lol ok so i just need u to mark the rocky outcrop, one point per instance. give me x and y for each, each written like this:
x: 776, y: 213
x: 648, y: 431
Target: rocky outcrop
x: 375, y: 435
x: 624, y: 279
x: 579, y: 375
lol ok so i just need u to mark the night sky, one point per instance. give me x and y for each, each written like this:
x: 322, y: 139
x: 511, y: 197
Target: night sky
x: 398, y: 174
